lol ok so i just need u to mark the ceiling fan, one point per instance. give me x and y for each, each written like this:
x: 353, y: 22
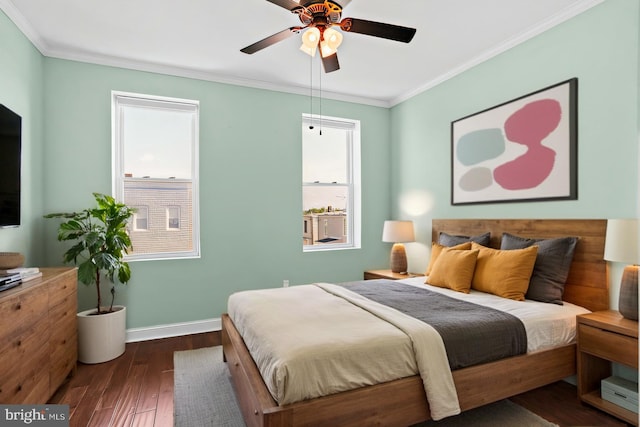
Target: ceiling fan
x: 318, y: 17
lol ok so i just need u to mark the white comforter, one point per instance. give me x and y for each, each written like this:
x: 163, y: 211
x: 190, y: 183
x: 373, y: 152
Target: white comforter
x: 314, y: 340
x: 298, y: 337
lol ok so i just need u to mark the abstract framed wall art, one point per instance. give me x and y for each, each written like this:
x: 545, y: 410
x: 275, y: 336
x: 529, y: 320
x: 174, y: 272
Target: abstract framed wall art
x: 522, y: 150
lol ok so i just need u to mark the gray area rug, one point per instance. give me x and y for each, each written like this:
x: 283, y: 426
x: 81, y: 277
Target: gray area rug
x: 203, y: 396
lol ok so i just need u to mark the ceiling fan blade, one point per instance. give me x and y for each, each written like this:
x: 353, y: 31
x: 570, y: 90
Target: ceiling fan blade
x: 378, y: 29
x: 268, y: 41
x: 287, y: 4
x: 330, y: 63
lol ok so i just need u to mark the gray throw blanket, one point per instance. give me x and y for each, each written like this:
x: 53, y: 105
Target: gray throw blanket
x: 472, y: 334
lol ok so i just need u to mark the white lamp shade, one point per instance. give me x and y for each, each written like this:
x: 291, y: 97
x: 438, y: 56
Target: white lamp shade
x: 310, y: 40
x: 325, y: 50
x: 621, y: 242
x: 331, y: 39
x: 398, y: 231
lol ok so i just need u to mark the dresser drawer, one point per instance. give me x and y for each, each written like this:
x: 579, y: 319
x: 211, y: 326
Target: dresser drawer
x: 27, y: 381
x: 608, y: 345
x: 61, y: 288
x: 63, y: 343
x: 67, y: 309
x: 17, y: 349
x: 63, y: 361
x: 21, y: 310
x: 63, y: 335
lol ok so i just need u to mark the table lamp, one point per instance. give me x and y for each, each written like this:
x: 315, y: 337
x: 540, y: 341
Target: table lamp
x: 621, y: 245
x: 398, y: 232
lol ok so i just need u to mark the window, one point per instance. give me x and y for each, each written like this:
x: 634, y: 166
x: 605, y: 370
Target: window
x: 173, y: 218
x: 330, y: 183
x: 141, y: 218
x: 155, y: 169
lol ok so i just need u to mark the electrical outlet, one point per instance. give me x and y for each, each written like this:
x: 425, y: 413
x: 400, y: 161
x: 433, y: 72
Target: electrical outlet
x: 285, y: 283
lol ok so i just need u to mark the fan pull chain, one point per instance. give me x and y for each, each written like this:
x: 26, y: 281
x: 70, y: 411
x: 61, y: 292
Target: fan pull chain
x: 320, y: 80
x: 311, y: 87
x: 311, y: 90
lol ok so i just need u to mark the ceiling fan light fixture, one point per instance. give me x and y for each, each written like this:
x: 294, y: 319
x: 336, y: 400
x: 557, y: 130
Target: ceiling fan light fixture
x: 333, y: 37
x: 325, y: 50
x: 331, y: 40
x: 317, y: 18
x: 310, y: 40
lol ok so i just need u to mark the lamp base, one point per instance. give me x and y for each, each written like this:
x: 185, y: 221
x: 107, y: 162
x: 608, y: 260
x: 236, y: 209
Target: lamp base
x: 628, y: 302
x: 398, y: 258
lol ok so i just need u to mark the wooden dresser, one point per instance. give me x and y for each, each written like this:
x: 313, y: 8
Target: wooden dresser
x: 38, y: 336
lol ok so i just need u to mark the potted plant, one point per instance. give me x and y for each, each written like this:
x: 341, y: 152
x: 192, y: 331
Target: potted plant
x: 102, y: 241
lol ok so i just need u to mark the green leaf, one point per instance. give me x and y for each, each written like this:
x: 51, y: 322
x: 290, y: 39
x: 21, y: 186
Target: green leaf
x: 101, y: 239
x: 124, y: 273
x: 87, y: 273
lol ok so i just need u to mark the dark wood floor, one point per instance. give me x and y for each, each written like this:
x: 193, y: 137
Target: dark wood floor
x: 136, y: 389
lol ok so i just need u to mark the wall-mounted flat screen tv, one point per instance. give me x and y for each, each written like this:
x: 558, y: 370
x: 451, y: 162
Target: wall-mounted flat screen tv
x: 10, y: 160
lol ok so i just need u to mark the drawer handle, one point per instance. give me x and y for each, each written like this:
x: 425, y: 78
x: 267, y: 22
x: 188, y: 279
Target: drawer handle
x: 19, y: 388
x: 19, y: 343
x: 18, y: 306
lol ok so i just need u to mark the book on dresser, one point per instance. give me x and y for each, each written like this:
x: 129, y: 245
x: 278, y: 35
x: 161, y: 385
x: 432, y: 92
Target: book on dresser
x: 24, y: 273
x: 30, y: 276
x: 20, y: 270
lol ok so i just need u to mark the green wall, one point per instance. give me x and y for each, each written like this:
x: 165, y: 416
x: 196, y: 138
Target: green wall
x: 250, y: 181
x: 250, y: 159
x: 250, y: 187
x: 21, y: 79
x: 600, y: 48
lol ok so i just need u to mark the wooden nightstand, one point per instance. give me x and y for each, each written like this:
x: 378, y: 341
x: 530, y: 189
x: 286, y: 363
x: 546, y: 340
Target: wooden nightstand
x: 604, y: 337
x: 388, y: 274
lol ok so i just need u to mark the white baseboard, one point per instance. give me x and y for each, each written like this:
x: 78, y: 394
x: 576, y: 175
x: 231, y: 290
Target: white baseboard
x: 173, y: 330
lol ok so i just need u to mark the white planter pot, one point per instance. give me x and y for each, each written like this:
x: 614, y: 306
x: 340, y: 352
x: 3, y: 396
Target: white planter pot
x: 101, y: 337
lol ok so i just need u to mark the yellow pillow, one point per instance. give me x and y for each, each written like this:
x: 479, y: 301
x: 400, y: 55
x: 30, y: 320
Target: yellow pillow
x: 454, y: 269
x: 437, y: 248
x: 505, y: 273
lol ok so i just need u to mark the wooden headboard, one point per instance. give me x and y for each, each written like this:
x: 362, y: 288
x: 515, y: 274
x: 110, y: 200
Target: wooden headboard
x: 587, y: 284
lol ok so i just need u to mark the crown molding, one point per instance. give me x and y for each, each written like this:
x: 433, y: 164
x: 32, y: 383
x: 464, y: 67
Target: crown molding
x: 23, y: 25
x: 528, y: 34
x: 35, y: 38
x: 73, y: 55
x: 110, y: 61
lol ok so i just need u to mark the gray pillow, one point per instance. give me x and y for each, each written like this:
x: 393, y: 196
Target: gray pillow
x: 451, y: 240
x: 552, y: 266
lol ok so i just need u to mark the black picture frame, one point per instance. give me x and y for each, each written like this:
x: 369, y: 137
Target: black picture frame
x: 522, y: 150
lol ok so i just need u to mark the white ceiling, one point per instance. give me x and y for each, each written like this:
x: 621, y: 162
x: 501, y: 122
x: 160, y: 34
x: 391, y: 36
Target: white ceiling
x: 203, y: 38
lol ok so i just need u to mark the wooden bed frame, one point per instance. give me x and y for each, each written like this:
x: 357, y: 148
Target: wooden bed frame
x: 403, y: 402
